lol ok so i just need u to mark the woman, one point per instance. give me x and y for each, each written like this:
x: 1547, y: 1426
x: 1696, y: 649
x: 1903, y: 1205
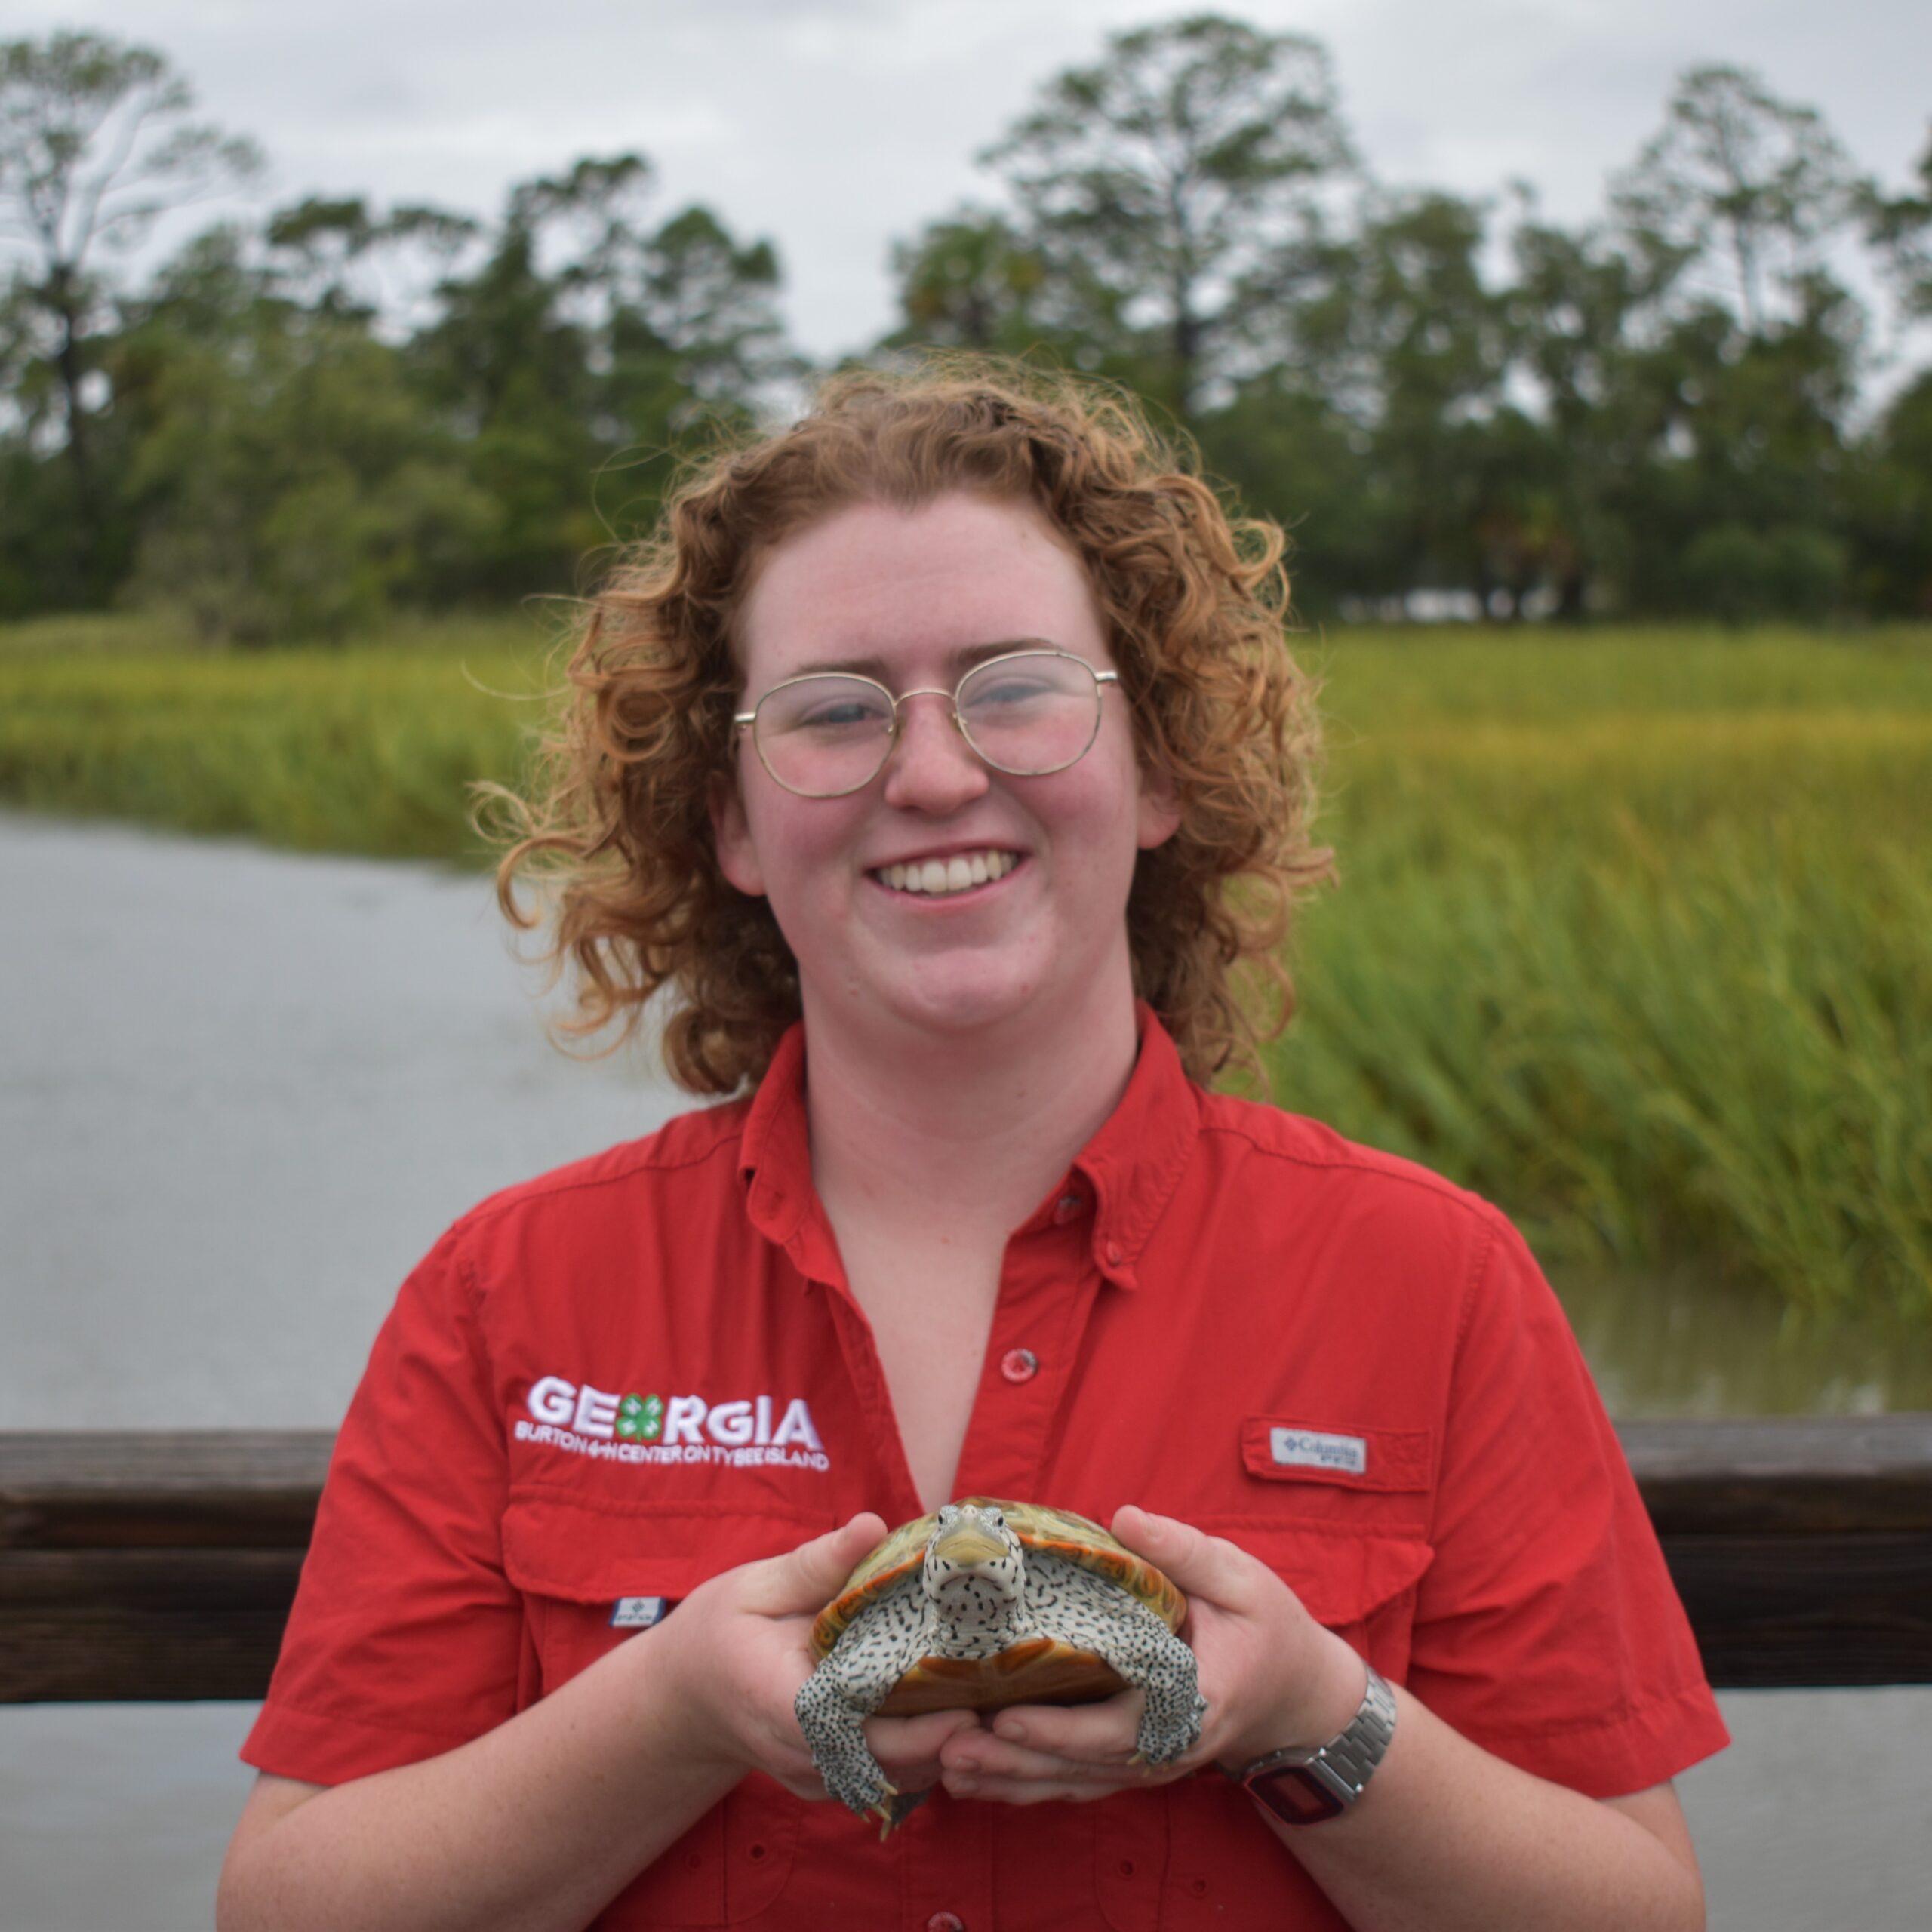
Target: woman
x: 944, y: 759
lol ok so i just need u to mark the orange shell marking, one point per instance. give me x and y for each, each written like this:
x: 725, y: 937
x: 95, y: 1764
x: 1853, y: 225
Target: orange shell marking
x: 1029, y: 1672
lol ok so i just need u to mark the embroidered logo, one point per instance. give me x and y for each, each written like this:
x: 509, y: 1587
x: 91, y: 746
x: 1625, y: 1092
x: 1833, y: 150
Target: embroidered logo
x: 1314, y: 1449
x: 641, y: 1418
x: 587, y: 1421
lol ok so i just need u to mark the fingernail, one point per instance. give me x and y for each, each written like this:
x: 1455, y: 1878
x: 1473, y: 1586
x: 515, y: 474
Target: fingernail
x: 1011, y: 1729
x: 963, y: 1785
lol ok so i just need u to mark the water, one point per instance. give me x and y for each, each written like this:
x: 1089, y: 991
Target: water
x: 240, y: 1093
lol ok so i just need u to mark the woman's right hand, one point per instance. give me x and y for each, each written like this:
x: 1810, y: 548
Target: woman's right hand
x: 740, y: 1644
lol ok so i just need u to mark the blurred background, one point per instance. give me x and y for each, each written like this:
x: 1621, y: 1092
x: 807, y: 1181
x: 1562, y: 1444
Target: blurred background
x: 1585, y: 352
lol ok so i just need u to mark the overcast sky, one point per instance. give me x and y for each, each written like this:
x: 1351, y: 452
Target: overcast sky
x: 834, y: 126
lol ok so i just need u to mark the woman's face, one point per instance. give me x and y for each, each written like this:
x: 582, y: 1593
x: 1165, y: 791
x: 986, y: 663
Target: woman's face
x: 914, y: 598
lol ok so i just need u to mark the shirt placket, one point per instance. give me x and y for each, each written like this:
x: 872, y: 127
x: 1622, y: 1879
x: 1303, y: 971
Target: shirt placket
x: 1048, y: 1281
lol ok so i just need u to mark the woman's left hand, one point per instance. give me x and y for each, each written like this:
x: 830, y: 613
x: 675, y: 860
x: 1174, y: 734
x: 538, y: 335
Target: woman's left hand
x: 1272, y: 1676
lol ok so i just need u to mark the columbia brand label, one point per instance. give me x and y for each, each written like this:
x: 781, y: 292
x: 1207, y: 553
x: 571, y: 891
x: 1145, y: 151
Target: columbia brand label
x: 639, y: 1613
x: 1313, y: 1449
x: 631, y: 1426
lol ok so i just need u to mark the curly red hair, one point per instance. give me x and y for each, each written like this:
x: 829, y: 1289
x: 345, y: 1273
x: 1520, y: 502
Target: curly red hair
x: 619, y: 826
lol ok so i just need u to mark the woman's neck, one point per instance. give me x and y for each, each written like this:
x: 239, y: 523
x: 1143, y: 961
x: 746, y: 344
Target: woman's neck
x: 959, y: 1136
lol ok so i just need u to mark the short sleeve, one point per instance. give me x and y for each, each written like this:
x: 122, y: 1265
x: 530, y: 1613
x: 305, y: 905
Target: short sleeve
x: 405, y: 1639
x: 1547, y: 1628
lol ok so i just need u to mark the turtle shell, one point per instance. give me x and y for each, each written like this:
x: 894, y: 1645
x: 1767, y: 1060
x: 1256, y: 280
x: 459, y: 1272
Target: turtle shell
x: 1040, y: 1670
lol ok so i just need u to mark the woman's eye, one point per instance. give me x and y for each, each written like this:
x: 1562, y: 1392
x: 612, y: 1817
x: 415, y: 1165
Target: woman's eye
x: 844, y: 714
x: 1008, y: 691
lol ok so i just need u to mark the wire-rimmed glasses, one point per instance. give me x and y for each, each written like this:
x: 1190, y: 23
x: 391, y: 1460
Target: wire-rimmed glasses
x: 1026, y: 713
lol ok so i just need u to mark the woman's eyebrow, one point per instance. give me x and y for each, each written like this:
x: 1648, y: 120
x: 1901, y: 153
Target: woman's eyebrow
x: 960, y: 660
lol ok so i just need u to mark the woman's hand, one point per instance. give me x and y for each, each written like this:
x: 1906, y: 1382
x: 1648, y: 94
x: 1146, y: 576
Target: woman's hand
x: 740, y: 1644
x: 1272, y: 1675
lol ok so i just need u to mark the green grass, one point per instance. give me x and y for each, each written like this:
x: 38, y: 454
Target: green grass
x: 369, y: 748
x: 1636, y: 937
x: 1635, y: 933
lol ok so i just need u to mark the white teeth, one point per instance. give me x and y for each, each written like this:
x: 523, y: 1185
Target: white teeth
x: 957, y: 874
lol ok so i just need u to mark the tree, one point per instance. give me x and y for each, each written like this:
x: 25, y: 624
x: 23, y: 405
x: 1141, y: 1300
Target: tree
x: 1742, y: 190
x: 320, y: 247
x: 586, y: 334
x: 969, y: 281
x: 1900, y: 228
x: 95, y: 146
x: 1160, y: 184
x: 288, y: 481
x: 1575, y: 307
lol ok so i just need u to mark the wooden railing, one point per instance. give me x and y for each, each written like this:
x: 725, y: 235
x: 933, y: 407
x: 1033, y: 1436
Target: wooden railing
x: 161, y: 1567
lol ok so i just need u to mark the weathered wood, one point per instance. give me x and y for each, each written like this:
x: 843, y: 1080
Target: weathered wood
x: 207, y: 1489
x: 161, y: 1567
x: 1791, y: 1475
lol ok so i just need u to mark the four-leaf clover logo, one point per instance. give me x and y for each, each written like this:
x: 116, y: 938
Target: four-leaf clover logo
x: 641, y: 1418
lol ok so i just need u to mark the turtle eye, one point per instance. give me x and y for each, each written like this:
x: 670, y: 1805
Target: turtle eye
x: 993, y: 1516
x: 949, y: 1512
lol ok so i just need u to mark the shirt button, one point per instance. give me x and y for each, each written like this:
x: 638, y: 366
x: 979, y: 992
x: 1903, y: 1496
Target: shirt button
x: 946, y: 1921
x: 1066, y: 1207
x: 1019, y: 1365
x: 1116, y: 1254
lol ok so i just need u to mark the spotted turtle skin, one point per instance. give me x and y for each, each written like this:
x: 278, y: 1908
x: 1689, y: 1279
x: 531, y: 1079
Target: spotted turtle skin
x: 985, y: 1604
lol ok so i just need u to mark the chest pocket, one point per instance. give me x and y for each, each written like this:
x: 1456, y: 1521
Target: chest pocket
x: 573, y: 1562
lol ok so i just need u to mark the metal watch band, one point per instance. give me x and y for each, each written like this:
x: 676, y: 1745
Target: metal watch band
x: 1302, y: 1785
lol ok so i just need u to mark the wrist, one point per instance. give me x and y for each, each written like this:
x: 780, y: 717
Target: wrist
x: 1318, y: 1708
x: 669, y: 1686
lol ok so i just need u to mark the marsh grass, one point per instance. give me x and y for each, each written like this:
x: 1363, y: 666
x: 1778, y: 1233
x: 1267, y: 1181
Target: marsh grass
x: 1635, y: 937
x: 369, y: 748
x: 1634, y: 933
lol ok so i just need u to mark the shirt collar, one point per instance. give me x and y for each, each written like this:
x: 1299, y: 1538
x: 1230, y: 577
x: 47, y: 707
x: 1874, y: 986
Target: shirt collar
x: 1128, y: 1171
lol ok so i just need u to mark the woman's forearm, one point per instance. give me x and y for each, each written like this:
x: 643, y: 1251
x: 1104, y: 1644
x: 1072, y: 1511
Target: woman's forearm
x: 533, y: 1827
x: 1447, y: 1837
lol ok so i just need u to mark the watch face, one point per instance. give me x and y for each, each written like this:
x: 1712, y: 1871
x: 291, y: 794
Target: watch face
x: 1295, y: 1795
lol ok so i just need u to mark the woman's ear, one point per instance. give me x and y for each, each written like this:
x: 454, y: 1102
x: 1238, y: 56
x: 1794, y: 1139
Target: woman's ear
x: 1158, y: 813
x: 732, y: 835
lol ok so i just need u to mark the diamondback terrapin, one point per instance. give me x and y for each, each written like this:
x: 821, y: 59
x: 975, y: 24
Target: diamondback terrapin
x: 983, y: 1604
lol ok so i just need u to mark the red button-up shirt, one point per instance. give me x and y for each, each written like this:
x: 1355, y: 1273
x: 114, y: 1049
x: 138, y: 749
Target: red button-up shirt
x: 607, y: 1385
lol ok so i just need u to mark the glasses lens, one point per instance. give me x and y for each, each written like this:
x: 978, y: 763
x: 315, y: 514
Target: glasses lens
x: 824, y: 735
x: 1034, y: 713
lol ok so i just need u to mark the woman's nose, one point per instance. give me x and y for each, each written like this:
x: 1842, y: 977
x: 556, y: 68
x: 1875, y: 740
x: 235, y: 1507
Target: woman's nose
x: 932, y: 768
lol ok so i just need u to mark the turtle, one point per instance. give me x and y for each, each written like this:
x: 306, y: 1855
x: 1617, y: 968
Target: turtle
x: 984, y: 1603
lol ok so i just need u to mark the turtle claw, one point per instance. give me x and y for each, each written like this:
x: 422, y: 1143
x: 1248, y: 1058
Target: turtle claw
x: 895, y: 1809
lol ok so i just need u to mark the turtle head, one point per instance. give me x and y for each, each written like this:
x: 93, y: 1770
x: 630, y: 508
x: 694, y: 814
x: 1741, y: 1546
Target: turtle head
x: 975, y: 1568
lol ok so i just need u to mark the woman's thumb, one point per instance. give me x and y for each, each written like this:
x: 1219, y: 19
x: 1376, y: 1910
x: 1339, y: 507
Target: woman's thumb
x: 805, y: 1579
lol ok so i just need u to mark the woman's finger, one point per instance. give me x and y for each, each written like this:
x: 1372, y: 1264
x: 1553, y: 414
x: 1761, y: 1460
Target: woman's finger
x: 1092, y: 1733
x: 920, y: 1740
x: 990, y: 1755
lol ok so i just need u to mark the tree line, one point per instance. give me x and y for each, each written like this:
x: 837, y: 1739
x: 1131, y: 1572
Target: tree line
x: 1699, y: 403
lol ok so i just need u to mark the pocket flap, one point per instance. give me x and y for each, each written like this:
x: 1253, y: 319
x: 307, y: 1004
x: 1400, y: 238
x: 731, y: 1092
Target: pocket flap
x: 1344, y: 1574
x: 1292, y: 1449
x: 558, y: 1546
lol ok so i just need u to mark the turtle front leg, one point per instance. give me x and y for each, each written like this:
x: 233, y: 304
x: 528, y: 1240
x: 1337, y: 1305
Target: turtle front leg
x: 1166, y: 1670
x: 833, y: 1705
x: 835, y: 1731
x: 1137, y: 1643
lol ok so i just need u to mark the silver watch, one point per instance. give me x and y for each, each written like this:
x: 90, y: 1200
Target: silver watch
x: 1303, y: 1785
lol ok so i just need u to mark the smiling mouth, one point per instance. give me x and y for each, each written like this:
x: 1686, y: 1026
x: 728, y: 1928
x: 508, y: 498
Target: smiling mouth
x: 939, y: 877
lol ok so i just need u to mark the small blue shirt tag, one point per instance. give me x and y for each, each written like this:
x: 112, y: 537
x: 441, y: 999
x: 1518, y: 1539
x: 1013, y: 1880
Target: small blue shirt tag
x: 639, y: 1613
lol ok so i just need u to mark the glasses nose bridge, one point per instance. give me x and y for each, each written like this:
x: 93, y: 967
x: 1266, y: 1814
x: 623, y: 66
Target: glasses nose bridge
x: 951, y: 698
